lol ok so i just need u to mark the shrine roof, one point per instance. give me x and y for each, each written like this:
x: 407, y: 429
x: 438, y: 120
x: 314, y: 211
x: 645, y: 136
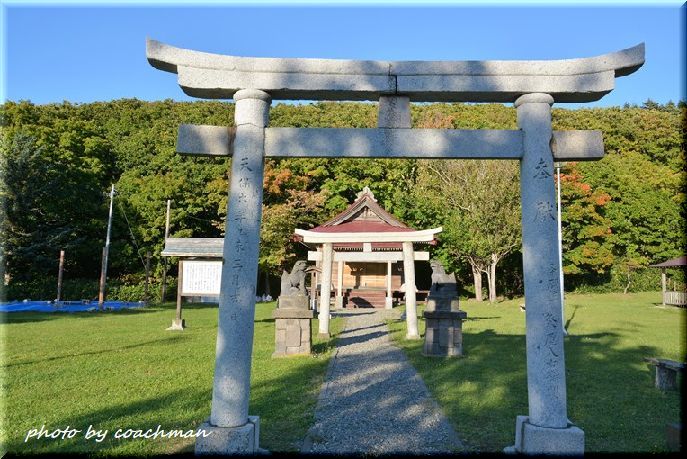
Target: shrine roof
x: 354, y: 219
x: 361, y: 227
x: 364, y: 220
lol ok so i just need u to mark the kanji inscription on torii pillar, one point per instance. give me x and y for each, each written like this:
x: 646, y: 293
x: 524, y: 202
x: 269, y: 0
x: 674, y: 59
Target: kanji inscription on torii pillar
x: 532, y: 85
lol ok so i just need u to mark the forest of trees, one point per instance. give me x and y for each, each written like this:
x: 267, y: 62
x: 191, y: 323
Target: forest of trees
x: 58, y: 161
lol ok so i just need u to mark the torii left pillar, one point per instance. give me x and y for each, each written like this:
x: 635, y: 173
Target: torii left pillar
x: 231, y: 430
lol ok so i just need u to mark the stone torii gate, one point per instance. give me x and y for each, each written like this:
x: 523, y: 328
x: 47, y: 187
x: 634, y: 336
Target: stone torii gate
x: 533, y: 86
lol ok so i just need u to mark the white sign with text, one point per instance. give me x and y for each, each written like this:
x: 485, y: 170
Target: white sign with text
x: 201, y: 277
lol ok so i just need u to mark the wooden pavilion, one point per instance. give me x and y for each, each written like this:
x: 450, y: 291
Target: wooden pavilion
x: 675, y: 297
x: 372, y: 254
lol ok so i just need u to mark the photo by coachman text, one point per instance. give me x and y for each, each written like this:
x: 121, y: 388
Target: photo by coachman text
x: 159, y: 432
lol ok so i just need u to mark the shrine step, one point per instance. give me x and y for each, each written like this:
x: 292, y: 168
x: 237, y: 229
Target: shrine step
x: 365, y: 299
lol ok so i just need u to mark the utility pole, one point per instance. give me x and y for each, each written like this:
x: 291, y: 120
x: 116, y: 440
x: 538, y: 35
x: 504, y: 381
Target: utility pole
x: 59, y: 276
x: 106, y: 252
x: 560, y: 246
x: 147, y: 274
x: 164, y: 271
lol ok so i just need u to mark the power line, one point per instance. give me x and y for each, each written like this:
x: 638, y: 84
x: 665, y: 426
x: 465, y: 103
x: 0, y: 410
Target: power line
x: 138, y: 249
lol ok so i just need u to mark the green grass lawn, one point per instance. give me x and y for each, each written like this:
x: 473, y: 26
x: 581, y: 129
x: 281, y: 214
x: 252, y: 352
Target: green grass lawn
x: 122, y: 369
x: 611, y: 394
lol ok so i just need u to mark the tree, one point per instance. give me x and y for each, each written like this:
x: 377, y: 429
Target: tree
x: 478, y: 206
x: 38, y: 190
x: 644, y: 206
x: 278, y: 250
x: 587, y: 235
x: 476, y: 202
x: 60, y: 159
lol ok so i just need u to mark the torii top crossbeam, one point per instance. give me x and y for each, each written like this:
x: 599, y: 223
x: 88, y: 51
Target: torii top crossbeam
x: 216, y: 76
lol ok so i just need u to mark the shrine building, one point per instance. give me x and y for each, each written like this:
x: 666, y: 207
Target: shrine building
x: 369, y: 265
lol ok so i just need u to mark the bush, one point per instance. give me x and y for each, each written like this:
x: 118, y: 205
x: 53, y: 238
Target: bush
x: 46, y: 289
x: 640, y: 280
x: 126, y: 288
x: 133, y: 288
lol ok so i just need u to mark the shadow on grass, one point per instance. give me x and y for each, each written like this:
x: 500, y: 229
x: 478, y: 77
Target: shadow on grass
x: 286, y: 404
x: 572, y: 316
x: 25, y: 317
x: 264, y: 320
x: 175, y: 409
x: 35, y: 316
x: 201, y: 305
x: 323, y: 347
x: 346, y: 313
x: 284, y: 399
x: 167, y: 341
x: 480, y: 318
x: 175, y: 393
x: 610, y: 392
x: 610, y: 395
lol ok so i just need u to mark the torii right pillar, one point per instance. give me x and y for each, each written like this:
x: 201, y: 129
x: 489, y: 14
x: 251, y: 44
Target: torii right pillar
x: 546, y: 430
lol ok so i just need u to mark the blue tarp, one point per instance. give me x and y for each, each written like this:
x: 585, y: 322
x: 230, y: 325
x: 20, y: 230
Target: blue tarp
x: 65, y: 306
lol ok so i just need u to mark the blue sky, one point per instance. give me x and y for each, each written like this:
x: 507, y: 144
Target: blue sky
x: 87, y: 52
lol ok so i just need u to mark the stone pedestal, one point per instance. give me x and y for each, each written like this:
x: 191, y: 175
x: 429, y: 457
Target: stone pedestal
x: 444, y: 333
x: 293, y: 302
x: 229, y: 440
x: 389, y: 302
x: 531, y: 439
x: 666, y: 379
x: 666, y: 373
x: 443, y: 327
x: 338, y: 302
x: 292, y: 331
x: 674, y: 436
x: 178, y: 324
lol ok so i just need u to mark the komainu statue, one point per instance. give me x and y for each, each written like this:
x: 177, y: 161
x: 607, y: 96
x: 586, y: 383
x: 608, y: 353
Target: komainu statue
x: 293, y: 316
x: 443, y: 284
x: 294, y: 283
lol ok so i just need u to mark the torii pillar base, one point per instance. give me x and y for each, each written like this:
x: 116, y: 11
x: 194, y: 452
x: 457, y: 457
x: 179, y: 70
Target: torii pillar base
x: 531, y: 439
x: 229, y: 440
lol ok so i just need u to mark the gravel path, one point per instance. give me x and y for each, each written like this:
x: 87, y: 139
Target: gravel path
x: 373, y: 401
